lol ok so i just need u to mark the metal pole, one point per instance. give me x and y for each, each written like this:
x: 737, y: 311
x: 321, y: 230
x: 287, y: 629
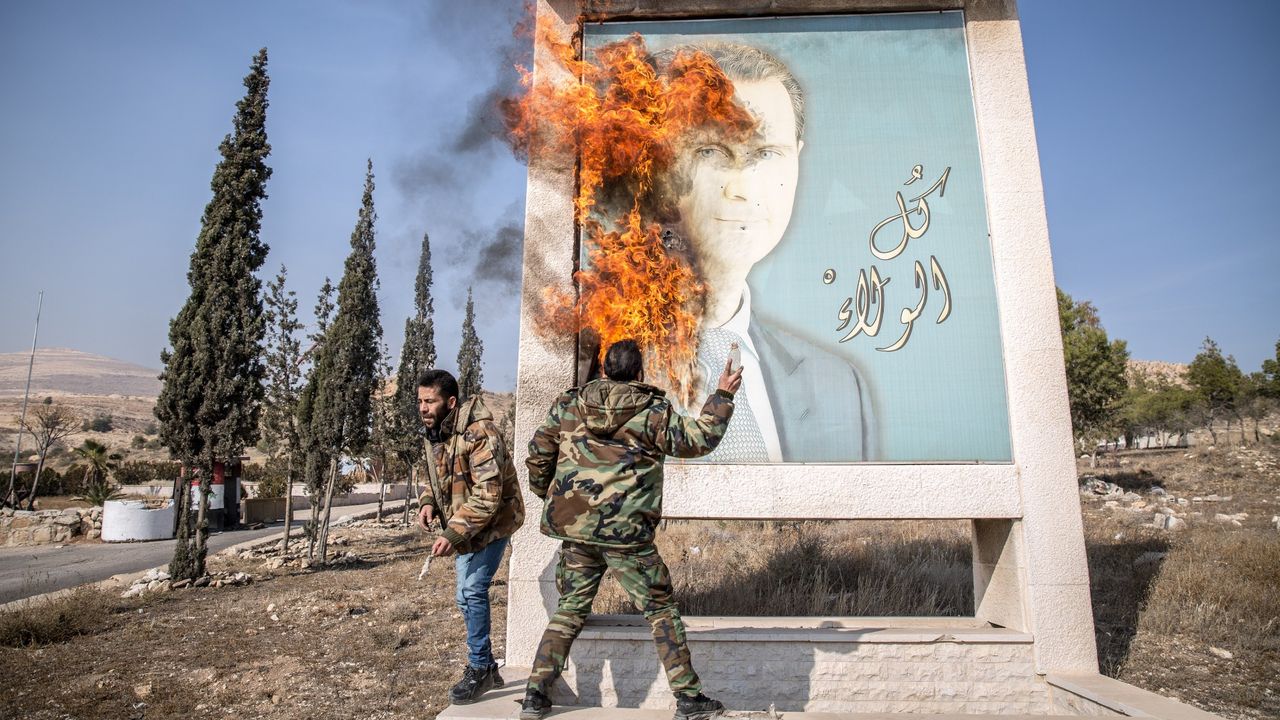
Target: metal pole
x: 13, y: 471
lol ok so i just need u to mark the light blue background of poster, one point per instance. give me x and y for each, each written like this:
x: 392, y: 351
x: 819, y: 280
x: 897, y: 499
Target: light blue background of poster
x: 883, y: 93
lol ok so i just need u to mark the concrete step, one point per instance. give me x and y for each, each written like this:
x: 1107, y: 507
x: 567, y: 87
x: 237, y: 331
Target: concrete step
x: 504, y: 704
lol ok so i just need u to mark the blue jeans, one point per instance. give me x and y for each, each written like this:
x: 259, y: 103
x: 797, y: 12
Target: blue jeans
x: 475, y: 573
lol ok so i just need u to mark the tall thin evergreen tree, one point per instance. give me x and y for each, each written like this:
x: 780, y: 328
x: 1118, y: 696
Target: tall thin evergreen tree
x: 348, y: 364
x: 417, y: 355
x: 283, y: 388
x: 470, y: 354
x: 315, y: 456
x: 212, y: 377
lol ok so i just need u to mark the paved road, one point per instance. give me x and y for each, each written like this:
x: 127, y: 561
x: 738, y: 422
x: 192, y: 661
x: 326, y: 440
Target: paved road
x: 27, y: 571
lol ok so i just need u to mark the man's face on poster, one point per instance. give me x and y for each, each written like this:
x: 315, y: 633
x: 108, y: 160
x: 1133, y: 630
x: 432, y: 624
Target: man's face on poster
x: 737, y: 195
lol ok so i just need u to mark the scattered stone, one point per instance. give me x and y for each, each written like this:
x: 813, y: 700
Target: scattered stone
x: 134, y: 591
x: 180, y: 584
x: 155, y: 574
x: 1158, y: 491
x: 1168, y: 522
x: 1234, y: 520
x: 1149, y: 557
x: 142, y: 691
x: 1219, y: 652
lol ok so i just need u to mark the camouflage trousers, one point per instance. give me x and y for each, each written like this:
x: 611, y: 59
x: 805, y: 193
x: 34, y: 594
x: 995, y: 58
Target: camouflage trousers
x: 646, y: 581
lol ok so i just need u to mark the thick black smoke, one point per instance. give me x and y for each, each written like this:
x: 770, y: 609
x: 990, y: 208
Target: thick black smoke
x: 443, y: 173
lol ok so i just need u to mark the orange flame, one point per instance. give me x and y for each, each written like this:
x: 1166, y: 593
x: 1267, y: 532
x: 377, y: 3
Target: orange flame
x: 620, y: 115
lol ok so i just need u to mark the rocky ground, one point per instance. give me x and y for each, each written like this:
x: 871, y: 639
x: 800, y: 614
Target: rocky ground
x: 263, y: 637
x: 1183, y: 548
x: 1184, y: 561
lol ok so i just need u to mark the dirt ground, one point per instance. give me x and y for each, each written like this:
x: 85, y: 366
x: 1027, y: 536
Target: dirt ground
x: 363, y: 639
x: 1190, y: 613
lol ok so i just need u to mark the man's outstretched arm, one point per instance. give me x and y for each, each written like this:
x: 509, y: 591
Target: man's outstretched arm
x: 690, y: 437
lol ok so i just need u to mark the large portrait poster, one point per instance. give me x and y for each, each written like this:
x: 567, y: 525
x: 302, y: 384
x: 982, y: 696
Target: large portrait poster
x: 844, y: 246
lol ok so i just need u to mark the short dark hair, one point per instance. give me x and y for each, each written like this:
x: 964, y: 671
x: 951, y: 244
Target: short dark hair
x: 442, y: 380
x: 745, y: 63
x: 624, y: 361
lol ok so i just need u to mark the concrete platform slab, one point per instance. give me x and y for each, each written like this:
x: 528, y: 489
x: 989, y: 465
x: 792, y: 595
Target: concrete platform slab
x: 504, y: 704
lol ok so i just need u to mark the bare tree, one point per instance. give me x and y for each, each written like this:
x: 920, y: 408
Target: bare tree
x: 48, y: 424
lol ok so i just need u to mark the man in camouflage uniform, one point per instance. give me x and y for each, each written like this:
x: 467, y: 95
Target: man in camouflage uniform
x: 472, y: 489
x: 597, y: 464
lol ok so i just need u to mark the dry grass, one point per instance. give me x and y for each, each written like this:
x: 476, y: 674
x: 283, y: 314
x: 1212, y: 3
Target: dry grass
x: 1164, y: 621
x: 866, y: 568
x: 56, y: 620
x: 1222, y: 587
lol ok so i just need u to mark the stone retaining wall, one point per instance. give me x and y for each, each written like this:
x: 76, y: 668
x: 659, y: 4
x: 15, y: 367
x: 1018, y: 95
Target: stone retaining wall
x: 841, y: 669
x: 43, y: 527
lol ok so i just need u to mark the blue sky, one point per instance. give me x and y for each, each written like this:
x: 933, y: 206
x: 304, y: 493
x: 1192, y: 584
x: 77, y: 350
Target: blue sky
x: 1151, y: 120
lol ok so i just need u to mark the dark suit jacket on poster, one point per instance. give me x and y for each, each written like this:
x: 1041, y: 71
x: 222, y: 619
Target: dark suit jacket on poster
x: 821, y: 404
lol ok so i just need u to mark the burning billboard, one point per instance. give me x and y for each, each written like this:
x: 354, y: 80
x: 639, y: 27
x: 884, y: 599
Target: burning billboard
x: 806, y: 189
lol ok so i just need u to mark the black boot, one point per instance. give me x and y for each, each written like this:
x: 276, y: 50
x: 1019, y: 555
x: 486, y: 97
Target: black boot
x: 697, y: 707
x: 473, y: 684
x: 497, y: 679
x: 535, y: 705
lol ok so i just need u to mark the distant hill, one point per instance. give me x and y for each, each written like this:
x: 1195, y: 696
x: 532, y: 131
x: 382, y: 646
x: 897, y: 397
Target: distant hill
x: 1156, y: 370
x: 59, y: 371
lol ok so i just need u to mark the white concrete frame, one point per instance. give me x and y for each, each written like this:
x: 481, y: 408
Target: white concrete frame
x: 1030, y: 572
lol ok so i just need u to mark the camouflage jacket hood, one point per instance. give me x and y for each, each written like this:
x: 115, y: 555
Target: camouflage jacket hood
x: 597, y: 459
x: 606, y: 406
x: 473, y: 488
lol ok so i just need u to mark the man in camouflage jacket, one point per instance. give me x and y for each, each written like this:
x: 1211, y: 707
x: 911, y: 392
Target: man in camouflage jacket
x: 472, y: 489
x: 597, y: 463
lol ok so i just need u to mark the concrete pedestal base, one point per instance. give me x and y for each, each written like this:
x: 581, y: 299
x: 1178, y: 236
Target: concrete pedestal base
x: 848, y: 665
x: 1071, y: 696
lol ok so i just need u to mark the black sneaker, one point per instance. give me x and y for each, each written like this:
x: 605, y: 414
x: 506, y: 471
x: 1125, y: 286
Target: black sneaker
x: 497, y: 679
x: 473, y: 684
x: 535, y: 705
x: 697, y: 707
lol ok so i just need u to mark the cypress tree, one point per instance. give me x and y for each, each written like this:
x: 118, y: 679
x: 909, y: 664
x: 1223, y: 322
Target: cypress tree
x: 470, y: 352
x: 284, y: 370
x: 212, y: 377
x: 316, y: 458
x: 417, y: 355
x: 347, y: 367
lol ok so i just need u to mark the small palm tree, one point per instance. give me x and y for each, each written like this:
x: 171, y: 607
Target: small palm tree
x: 101, y: 462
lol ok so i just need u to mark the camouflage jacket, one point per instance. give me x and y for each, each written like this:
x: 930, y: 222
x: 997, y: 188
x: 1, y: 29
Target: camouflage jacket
x: 597, y: 460
x: 474, y: 489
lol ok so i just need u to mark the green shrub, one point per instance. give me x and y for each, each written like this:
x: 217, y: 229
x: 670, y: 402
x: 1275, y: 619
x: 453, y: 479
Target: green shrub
x: 141, y: 472
x: 73, y: 479
x: 98, y: 493
x: 102, y: 422
x: 271, y: 477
